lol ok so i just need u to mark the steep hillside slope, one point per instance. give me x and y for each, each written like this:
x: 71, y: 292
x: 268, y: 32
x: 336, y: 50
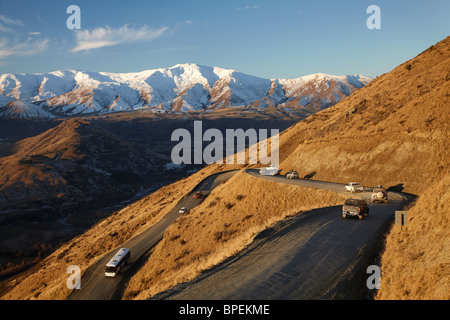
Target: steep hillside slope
x: 394, y: 132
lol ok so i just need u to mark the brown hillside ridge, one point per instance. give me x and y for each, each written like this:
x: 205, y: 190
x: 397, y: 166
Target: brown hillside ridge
x: 68, y: 164
x: 393, y: 132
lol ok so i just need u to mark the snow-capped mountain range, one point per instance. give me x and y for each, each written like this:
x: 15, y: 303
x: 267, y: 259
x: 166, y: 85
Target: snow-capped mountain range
x: 181, y: 88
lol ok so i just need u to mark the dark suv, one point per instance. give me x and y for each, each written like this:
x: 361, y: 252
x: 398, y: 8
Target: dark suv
x: 355, y: 208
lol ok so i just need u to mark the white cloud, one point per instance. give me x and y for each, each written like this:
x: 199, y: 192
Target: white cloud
x: 27, y: 48
x: 6, y: 22
x: 40, y: 18
x: 249, y: 7
x: 105, y: 37
x: 16, y: 45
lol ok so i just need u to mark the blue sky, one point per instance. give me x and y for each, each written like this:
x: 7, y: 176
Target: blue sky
x: 265, y: 38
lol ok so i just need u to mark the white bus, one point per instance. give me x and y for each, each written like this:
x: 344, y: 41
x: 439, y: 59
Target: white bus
x: 116, y: 262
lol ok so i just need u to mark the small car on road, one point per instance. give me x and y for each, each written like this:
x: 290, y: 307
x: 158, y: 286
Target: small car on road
x: 292, y: 175
x: 183, y: 210
x: 198, y: 195
x: 355, y: 208
x: 354, y: 187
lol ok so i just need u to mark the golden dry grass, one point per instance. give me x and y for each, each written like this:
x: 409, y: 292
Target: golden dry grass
x: 221, y: 226
x: 416, y: 262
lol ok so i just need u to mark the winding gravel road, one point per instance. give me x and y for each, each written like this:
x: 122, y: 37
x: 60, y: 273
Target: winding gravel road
x: 315, y: 255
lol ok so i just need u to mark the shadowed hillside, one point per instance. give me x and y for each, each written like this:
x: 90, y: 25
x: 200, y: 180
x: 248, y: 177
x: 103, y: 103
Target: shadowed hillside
x: 74, y: 163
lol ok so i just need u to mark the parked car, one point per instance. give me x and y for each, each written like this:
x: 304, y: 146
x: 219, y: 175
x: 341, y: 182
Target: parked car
x: 183, y: 210
x: 292, y: 175
x: 355, y: 208
x: 198, y: 195
x: 354, y: 187
x: 379, y: 194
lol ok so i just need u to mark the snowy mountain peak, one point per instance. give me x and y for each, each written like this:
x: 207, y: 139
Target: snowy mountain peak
x: 181, y: 88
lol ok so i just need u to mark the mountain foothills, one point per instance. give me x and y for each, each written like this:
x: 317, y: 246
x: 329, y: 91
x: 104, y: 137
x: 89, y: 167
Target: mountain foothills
x: 73, y: 165
x: 181, y: 88
x: 394, y: 131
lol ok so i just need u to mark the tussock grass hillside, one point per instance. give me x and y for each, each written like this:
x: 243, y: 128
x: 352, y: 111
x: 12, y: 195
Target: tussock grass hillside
x: 416, y: 262
x: 394, y: 132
